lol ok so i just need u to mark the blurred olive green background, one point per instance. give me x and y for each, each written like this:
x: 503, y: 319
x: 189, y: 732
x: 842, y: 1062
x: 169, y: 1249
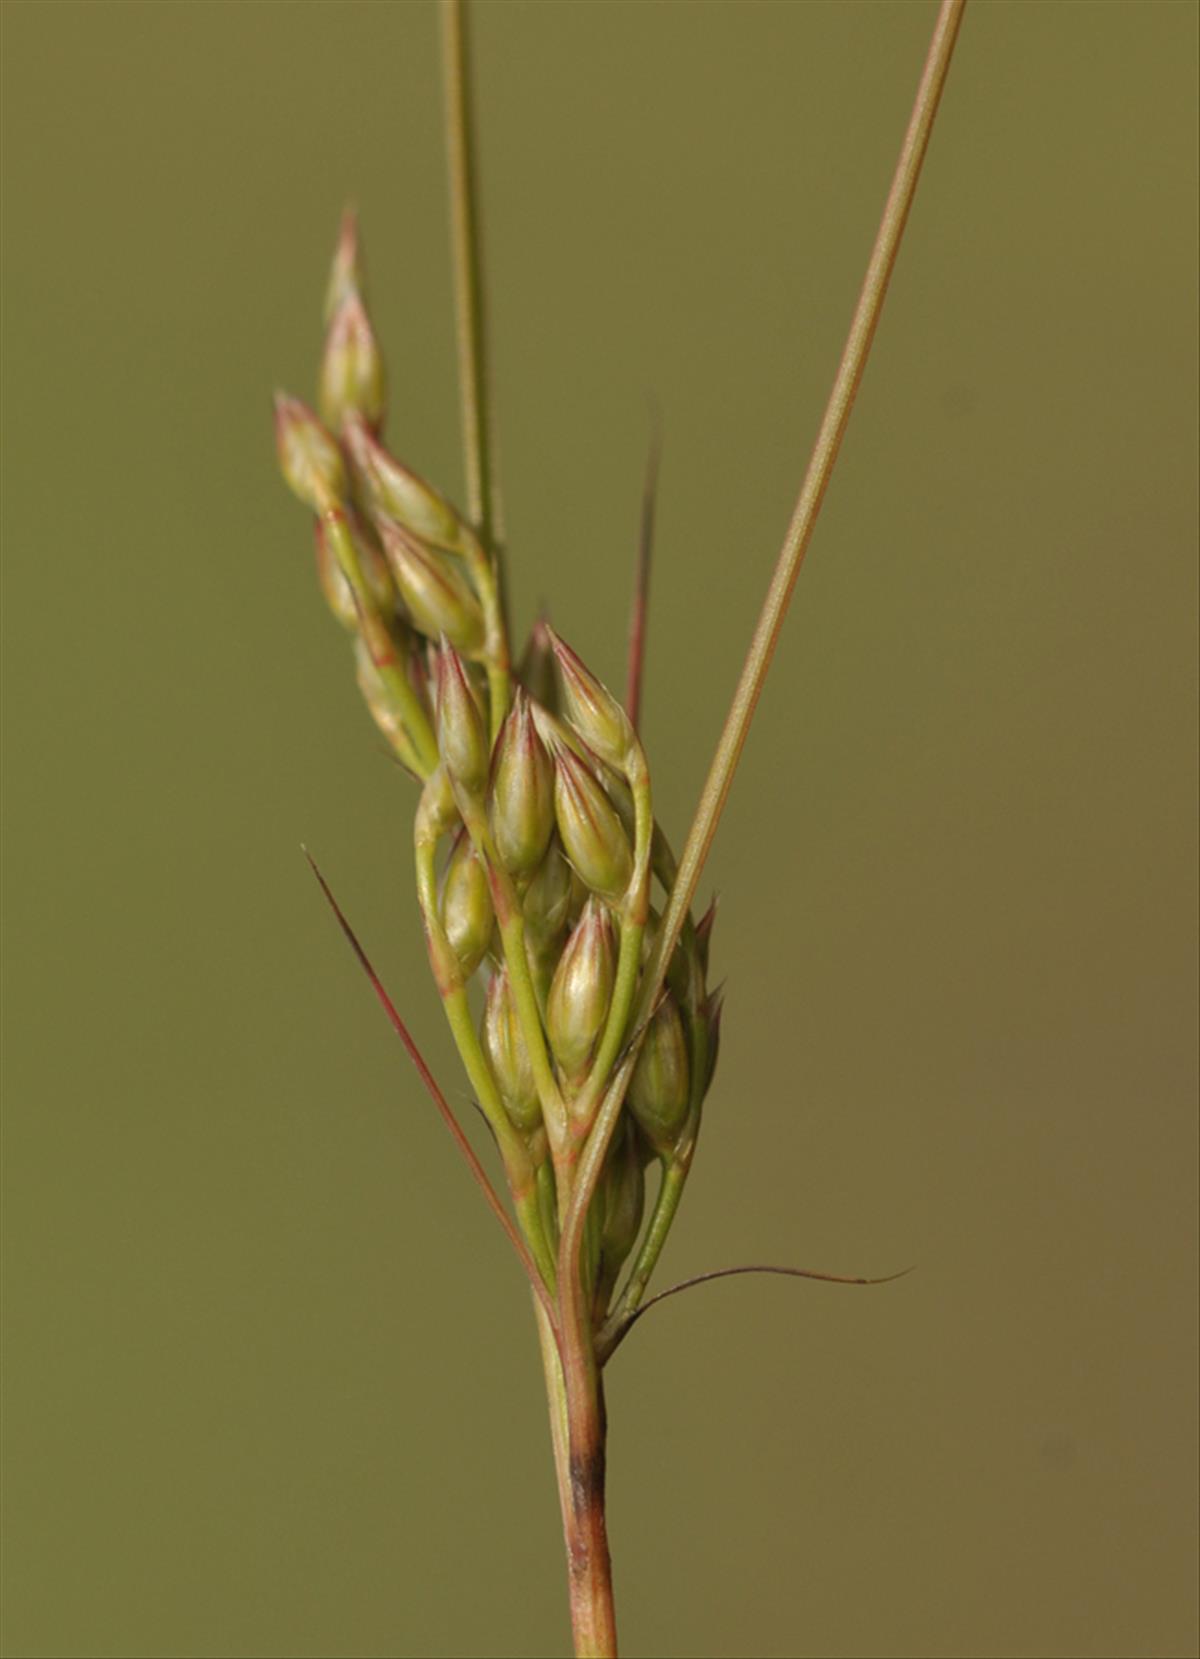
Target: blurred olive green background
x: 270, y: 1383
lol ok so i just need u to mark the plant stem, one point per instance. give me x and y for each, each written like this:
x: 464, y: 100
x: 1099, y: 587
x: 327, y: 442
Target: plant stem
x: 577, y: 1433
x: 816, y: 481
x: 766, y: 633
x: 483, y: 493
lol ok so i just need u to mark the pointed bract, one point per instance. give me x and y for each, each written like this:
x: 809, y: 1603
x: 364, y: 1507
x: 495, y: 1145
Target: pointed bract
x: 581, y: 991
x: 591, y: 708
x: 506, y: 1049
x: 384, y: 710
x: 309, y: 457
x: 438, y: 596
x: 461, y: 735
x: 346, y: 275
x: 396, y: 491
x: 376, y: 576
x: 521, y: 798
x: 592, y: 835
x: 658, y: 1090
x: 352, y: 374
x: 536, y: 667
x: 624, y: 1197
x: 467, y: 914
x: 547, y: 903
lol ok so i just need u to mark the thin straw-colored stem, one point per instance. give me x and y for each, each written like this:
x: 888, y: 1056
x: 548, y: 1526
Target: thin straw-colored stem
x: 639, y: 610
x: 816, y: 482
x: 766, y: 633
x: 483, y: 493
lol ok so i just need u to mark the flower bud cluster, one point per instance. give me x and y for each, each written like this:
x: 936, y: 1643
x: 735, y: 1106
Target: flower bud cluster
x: 536, y: 789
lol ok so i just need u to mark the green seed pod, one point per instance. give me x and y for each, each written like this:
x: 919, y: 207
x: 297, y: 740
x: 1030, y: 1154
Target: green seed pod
x: 467, y: 915
x: 352, y: 374
x: 581, y: 991
x: 309, y: 457
x: 591, y: 831
x: 658, y: 1089
x: 395, y: 491
x: 522, y: 792
x: 504, y: 1044
x: 376, y: 576
x: 461, y: 736
x: 438, y: 596
x: 591, y: 708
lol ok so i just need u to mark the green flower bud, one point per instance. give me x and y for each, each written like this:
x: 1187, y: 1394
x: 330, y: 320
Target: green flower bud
x: 438, y: 596
x: 581, y: 991
x: 658, y: 1090
x: 352, y: 373
x: 522, y: 793
x: 467, y: 915
x: 393, y: 490
x: 309, y: 457
x: 461, y: 735
x: 504, y: 1044
x: 377, y: 578
x: 591, y: 831
x: 591, y: 708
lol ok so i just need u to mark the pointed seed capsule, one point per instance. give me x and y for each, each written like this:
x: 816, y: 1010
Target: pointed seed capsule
x: 591, y: 831
x: 467, y: 914
x: 352, y: 374
x: 658, y: 1089
x: 504, y: 1044
x: 522, y: 793
x: 462, y: 739
x: 581, y: 991
x: 309, y: 458
x: 395, y: 491
x: 591, y: 708
x: 438, y: 596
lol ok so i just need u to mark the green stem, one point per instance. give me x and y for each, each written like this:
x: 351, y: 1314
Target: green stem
x: 577, y: 1433
x: 483, y: 493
